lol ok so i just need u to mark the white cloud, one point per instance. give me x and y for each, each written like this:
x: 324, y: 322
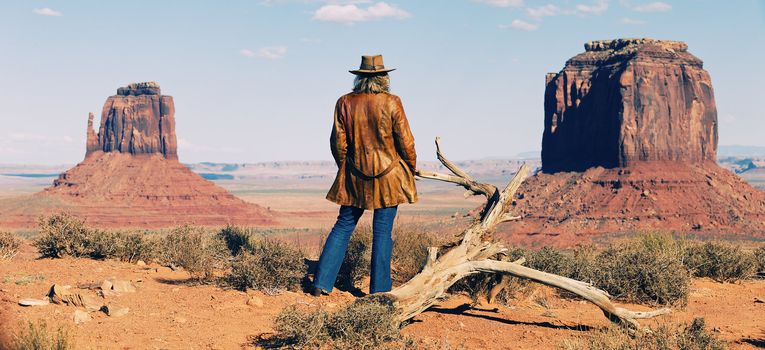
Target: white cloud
x: 548, y: 10
x: 47, y: 11
x: 656, y: 6
x: 351, y: 13
x: 501, y: 3
x: 632, y: 21
x: 271, y: 52
x: 596, y: 8
x: 520, y: 25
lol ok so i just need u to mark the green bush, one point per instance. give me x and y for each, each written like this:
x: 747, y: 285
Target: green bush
x: 367, y: 323
x: 646, y: 269
x: 199, y: 252
x: 62, y: 235
x: 719, y: 261
x: 38, y: 337
x: 267, y: 265
x: 9, y: 245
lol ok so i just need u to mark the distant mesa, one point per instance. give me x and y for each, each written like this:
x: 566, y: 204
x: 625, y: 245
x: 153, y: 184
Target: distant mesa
x: 628, y: 100
x: 629, y: 144
x: 131, y: 176
x: 138, y: 120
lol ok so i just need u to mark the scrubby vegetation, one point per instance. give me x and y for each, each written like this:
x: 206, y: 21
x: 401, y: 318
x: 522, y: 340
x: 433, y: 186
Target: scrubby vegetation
x: 693, y: 336
x: 37, y: 336
x: 759, y: 256
x: 262, y: 263
x: 64, y: 235
x: 647, y: 269
x: 364, y: 324
x: 9, y: 245
x: 720, y: 261
x: 199, y: 252
x: 410, y: 250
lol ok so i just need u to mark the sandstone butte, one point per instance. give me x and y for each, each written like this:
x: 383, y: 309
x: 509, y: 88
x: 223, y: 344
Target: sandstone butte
x: 131, y: 176
x: 629, y: 145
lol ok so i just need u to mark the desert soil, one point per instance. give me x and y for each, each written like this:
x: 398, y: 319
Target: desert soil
x: 167, y: 312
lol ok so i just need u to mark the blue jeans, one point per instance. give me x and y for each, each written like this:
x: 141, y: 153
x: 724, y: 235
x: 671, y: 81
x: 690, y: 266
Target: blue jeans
x: 337, y: 242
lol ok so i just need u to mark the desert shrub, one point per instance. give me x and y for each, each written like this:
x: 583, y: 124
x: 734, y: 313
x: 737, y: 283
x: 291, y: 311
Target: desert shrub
x: 267, y: 265
x: 9, y: 245
x: 759, y: 256
x: 62, y: 235
x: 646, y: 269
x: 134, y: 246
x: 236, y: 238
x: 550, y: 260
x: 358, y: 257
x: 367, y: 323
x: 199, y: 252
x: 693, y: 336
x: 36, y: 336
x: 719, y: 261
x: 100, y: 244
x: 410, y: 251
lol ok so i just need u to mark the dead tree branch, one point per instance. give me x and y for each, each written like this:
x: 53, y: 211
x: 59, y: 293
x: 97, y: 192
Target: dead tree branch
x: 477, y: 252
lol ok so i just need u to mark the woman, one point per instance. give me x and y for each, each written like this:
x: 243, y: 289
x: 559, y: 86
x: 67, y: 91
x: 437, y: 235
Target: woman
x: 373, y: 147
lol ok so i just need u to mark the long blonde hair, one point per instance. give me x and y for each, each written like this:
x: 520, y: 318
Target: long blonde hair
x: 373, y: 84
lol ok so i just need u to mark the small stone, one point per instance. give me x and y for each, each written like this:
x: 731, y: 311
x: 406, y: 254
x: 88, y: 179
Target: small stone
x: 180, y: 320
x: 140, y: 263
x: 115, y: 311
x: 34, y: 302
x: 163, y: 269
x: 255, y: 301
x: 81, y: 317
x: 121, y: 286
x: 90, y: 303
x: 106, y: 285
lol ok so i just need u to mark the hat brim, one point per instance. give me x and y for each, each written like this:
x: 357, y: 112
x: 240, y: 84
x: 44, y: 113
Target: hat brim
x: 367, y: 72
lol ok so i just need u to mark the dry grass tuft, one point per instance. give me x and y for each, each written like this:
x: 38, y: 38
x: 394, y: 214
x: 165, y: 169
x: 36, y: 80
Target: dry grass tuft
x: 197, y: 251
x: 365, y: 324
x: 9, y: 245
x: 36, y: 336
x: 267, y: 265
x: 693, y: 336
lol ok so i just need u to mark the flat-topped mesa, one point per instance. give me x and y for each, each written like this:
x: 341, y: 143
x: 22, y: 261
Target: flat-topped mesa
x: 136, y: 89
x: 628, y: 100
x: 138, y: 120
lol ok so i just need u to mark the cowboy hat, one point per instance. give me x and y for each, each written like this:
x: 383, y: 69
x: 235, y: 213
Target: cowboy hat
x: 371, y: 65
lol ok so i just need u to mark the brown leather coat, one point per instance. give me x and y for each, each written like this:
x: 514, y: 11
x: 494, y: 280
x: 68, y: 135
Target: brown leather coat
x: 374, y: 151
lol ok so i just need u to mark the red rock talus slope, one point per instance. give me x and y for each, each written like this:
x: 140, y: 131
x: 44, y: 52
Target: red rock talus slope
x: 131, y: 176
x: 629, y: 145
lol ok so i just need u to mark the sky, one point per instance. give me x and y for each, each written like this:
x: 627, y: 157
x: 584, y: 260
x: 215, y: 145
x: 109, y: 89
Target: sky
x: 257, y: 80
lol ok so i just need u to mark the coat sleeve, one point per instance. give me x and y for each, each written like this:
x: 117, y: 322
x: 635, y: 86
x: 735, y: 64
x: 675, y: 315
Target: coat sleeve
x: 337, y: 141
x: 402, y: 135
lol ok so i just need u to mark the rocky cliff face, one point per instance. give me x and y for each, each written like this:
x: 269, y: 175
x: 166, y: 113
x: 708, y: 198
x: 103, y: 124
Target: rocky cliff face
x: 628, y: 100
x: 138, y: 120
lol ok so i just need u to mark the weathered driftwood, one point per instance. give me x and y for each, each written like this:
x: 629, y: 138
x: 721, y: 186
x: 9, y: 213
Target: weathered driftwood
x: 477, y: 252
